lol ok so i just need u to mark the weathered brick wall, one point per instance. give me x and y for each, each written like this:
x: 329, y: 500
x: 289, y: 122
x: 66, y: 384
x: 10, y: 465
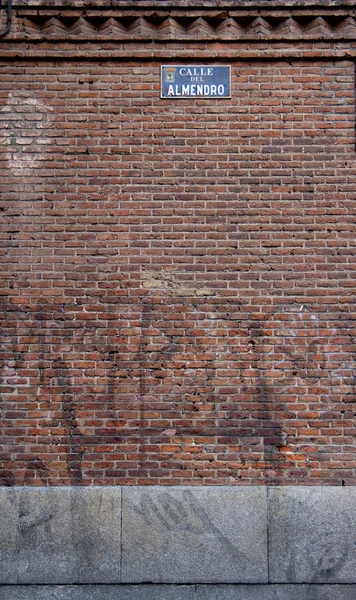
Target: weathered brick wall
x: 179, y: 274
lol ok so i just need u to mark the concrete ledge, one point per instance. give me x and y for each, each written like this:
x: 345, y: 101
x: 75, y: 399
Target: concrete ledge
x: 275, y: 592
x: 179, y: 592
x: 98, y: 592
x: 177, y: 535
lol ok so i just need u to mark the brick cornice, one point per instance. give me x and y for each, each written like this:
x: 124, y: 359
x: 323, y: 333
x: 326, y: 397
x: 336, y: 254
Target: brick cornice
x: 323, y: 28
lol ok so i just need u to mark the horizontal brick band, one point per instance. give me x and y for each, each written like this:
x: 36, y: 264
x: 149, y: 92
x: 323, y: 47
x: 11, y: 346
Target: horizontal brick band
x: 260, y: 32
x: 125, y: 27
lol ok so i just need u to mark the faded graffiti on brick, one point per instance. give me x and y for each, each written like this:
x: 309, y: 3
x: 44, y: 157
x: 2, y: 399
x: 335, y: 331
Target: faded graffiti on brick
x: 190, y: 388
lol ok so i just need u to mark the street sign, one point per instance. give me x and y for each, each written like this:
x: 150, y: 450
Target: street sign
x: 195, y: 81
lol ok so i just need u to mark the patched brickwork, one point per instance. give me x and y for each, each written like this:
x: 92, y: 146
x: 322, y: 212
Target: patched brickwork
x: 179, y: 274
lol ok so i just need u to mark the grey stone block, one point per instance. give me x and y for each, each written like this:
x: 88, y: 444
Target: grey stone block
x: 312, y: 534
x: 276, y: 592
x: 97, y: 592
x: 190, y: 535
x: 60, y: 535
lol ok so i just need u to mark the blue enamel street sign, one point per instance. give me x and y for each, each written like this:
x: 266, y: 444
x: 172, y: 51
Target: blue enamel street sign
x: 195, y: 81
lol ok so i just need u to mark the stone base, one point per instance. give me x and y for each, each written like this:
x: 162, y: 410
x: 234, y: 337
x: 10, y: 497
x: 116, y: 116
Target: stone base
x: 75, y: 536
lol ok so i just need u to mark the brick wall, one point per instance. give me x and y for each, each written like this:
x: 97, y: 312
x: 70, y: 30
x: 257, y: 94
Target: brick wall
x: 179, y: 274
